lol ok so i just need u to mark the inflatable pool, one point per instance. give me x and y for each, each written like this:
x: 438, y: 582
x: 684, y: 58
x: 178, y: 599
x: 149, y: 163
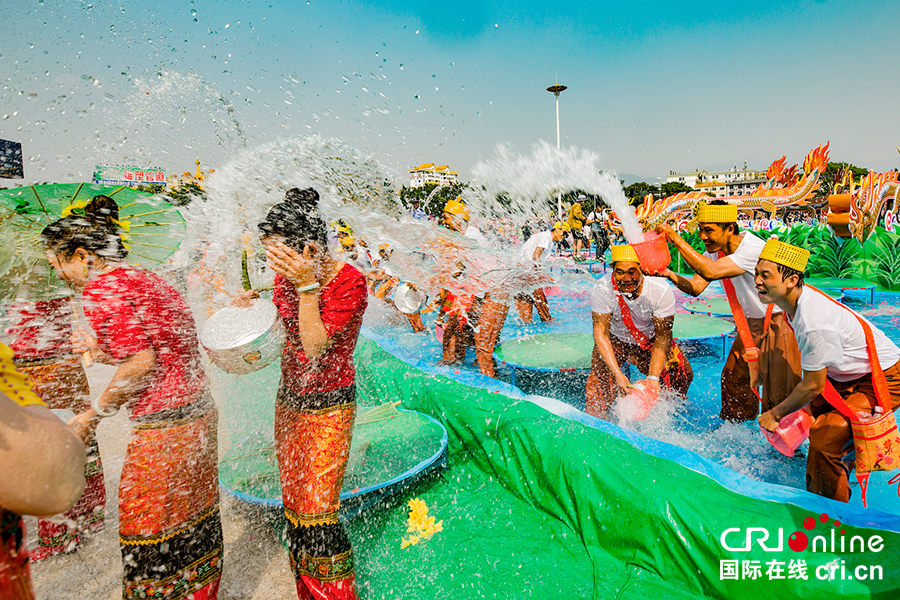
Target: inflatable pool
x: 541, y: 500
x: 386, y: 455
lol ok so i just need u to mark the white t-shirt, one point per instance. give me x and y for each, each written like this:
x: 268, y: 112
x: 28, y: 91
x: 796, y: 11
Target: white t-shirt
x: 746, y: 256
x: 656, y: 300
x: 476, y: 235
x: 830, y: 336
x: 543, y: 239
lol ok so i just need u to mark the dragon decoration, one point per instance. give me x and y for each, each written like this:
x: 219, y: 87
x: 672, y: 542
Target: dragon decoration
x: 784, y: 187
x: 856, y: 212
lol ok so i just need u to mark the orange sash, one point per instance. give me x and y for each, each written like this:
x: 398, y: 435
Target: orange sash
x: 740, y: 322
x: 876, y: 441
x: 642, y: 340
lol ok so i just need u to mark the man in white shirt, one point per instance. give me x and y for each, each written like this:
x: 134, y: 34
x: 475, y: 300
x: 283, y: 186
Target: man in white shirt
x: 537, y: 248
x: 633, y: 317
x: 777, y: 359
x: 833, y: 351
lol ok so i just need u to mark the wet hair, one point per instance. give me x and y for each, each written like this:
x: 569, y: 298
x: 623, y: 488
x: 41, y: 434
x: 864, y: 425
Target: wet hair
x: 734, y: 226
x: 787, y: 272
x: 297, y: 219
x: 95, y: 231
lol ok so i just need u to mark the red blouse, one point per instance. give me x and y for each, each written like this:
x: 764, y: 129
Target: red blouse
x: 342, y: 304
x: 132, y: 309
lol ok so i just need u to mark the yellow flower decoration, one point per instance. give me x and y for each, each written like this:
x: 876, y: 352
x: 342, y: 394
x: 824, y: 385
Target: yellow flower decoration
x: 126, y: 225
x: 420, y: 526
x: 77, y: 205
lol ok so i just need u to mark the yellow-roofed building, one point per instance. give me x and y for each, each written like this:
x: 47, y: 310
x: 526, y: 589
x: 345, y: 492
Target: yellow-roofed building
x: 430, y: 173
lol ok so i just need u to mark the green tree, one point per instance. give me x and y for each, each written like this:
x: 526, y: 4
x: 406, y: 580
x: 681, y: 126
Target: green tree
x: 150, y: 188
x: 185, y: 194
x: 636, y: 191
x: 674, y: 187
x: 435, y: 207
x: 830, y: 180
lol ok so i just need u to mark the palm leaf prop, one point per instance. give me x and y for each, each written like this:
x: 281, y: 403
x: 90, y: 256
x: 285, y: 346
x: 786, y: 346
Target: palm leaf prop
x: 835, y: 260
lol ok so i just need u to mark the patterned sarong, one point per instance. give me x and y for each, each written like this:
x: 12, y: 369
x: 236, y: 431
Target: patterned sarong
x: 170, y: 531
x: 15, y: 577
x: 312, y: 440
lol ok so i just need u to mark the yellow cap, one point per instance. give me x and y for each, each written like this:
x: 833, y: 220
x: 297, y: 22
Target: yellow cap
x: 348, y: 242
x: 456, y: 207
x: 623, y: 253
x: 785, y: 254
x: 726, y: 213
x: 561, y: 225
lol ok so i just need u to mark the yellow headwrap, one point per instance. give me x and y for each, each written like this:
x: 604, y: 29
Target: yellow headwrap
x: 623, y: 253
x: 785, y: 254
x: 561, y: 225
x: 456, y: 207
x: 726, y: 213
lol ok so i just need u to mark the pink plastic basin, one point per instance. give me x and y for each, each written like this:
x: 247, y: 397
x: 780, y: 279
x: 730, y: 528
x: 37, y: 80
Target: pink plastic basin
x: 653, y: 252
x: 791, y: 432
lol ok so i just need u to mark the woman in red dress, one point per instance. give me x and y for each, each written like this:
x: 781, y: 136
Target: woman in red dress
x: 40, y: 333
x: 170, y: 532
x: 321, y: 302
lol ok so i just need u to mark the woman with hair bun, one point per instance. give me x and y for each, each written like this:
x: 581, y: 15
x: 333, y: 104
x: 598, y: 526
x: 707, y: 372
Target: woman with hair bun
x: 170, y: 532
x: 321, y: 301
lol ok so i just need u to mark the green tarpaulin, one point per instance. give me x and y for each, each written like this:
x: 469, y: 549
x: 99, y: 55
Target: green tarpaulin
x: 537, y: 506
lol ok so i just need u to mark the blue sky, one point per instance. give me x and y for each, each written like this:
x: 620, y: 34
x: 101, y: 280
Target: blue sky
x: 653, y: 86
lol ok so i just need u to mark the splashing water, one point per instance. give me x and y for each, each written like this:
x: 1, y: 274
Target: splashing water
x: 528, y: 180
x: 354, y: 187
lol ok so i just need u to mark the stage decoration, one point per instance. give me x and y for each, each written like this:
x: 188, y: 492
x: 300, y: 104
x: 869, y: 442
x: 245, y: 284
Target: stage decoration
x: 783, y: 188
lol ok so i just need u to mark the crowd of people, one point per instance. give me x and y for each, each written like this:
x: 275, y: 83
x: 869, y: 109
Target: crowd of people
x: 796, y: 349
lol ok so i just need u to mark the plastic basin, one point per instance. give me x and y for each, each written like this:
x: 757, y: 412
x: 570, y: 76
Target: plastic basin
x: 653, y: 252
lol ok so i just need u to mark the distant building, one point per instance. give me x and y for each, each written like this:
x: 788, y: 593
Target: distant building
x: 743, y: 187
x: 176, y: 181
x: 732, y: 182
x: 716, y: 188
x: 429, y: 173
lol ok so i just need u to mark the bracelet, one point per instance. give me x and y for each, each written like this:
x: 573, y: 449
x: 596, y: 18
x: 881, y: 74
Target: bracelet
x: 100, y: 413
x: 308, y: 288
x: 653, y: 378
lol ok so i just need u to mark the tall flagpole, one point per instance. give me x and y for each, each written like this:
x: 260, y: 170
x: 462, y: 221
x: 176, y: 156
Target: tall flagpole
x: 557, y: 89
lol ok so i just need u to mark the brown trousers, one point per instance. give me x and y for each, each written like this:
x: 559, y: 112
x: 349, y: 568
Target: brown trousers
x: 601, y: 388
x: 831, y: 434
x: 779, y: 370
x: 489, y: 324
x: 537, y: 298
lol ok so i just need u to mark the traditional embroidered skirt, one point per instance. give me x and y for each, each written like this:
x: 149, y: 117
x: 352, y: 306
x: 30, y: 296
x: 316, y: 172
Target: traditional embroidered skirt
x: 15, y: 578
x: 312, y: 440
x: 61, y: 383
x: 170, y: 532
